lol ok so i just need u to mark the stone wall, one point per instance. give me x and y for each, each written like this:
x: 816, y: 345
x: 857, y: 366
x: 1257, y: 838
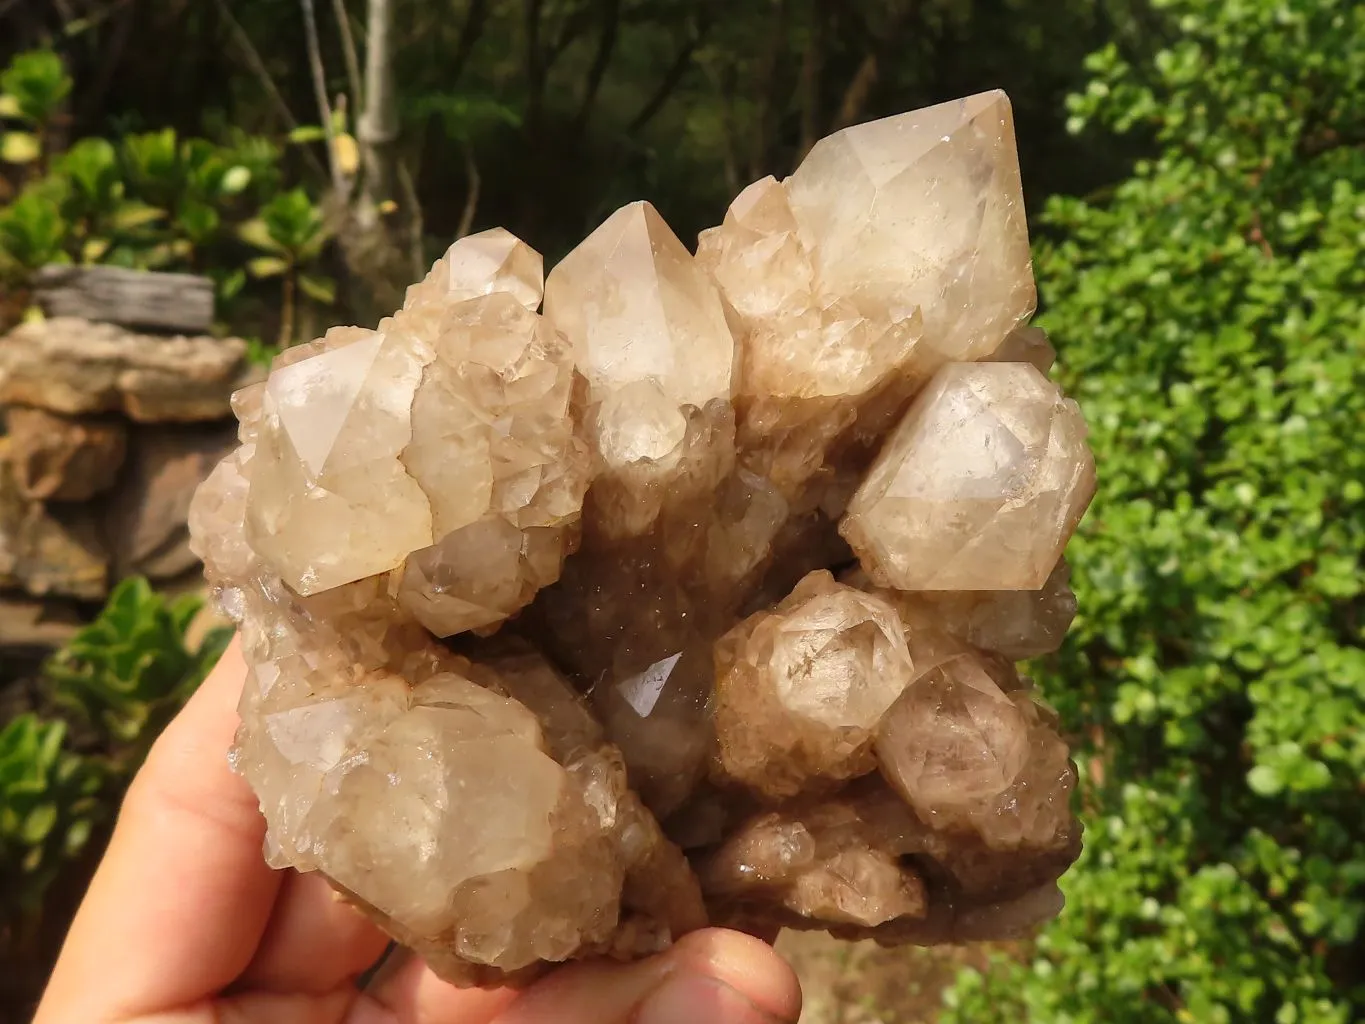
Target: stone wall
x: 106, y: 433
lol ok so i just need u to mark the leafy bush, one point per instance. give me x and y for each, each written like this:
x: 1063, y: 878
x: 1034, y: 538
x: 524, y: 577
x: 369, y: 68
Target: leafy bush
x: 47, y: 809
x: 155, y: 201
x: 1210, y: 313
x: 129, y: 671
x: 120, y: 679
x: 32, y: 89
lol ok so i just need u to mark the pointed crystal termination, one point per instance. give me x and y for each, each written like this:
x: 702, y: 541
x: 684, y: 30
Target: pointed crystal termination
x: 800, y: 689
x: 481, y: 264
x: 924, y: 211
x: 649, y: 484
x: 650, y: 338
x: 494, y: 443
x: 454, y: 415
x: 811, y: 361
x: 329, y: 501
x: 979, y: 488
x: 635, y: 307
x: 968, y: 756
x: 652, y: 343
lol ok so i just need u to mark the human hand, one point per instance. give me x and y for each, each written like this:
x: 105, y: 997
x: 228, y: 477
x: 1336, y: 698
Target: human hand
x: 184, y: 923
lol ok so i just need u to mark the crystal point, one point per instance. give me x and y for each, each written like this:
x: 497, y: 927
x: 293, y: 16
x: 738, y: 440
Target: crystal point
x: 979, y: 487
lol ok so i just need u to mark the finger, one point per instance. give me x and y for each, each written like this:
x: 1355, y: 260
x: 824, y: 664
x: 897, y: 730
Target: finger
x: 340, y: 1007
x: 183, y: 894
x: 414, y: 995
x: 712, y: 975
x: 314, y: 942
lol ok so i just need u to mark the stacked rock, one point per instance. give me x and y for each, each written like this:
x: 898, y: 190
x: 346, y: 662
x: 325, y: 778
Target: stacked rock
x: 107, y: 431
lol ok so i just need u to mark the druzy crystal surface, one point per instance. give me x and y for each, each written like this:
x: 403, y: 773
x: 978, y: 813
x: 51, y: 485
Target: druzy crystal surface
x: 582, y: 610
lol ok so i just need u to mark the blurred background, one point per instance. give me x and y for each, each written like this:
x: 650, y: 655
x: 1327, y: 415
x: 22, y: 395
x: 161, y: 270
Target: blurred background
x: 1195, y: 174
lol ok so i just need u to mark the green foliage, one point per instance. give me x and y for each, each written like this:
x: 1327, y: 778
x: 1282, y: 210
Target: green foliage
x: 32, y: 89
x: 1210, y: 312
x: 47, y: 809
x: 291, y: 232
x: 154, y: 200
x: 129, y: 670
x: 120, y: 679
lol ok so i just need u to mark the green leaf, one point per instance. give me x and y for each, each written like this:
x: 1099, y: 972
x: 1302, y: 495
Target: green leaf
x: 39, y: 823
x: 235, y: 180
x: 267, y: 266
x: 133, y: 214
x: 307, y: 133
x: 37, y: 82
x: 198, y: 221
x: 255, y: 232
x: 232, y: 284
x: 1265, y: 780
x: 93, y: 250
x: 319, y: 289
x: 20, y: 147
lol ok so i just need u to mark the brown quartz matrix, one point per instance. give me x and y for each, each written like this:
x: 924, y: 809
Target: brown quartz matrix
x: 584, y: 610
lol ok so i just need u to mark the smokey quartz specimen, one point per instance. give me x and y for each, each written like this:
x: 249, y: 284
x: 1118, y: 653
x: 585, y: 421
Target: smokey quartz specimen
x: 674, y: 589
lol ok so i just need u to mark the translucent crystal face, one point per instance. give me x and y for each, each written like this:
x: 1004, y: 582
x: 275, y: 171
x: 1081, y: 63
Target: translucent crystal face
x: 636, y: 307
x: 979, y: 487
x: 936, y: 190
x: 840, y: 661
x: 652, y: 704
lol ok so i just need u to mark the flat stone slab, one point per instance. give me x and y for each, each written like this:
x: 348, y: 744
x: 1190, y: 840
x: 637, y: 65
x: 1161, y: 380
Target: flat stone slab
x: 77, y: 367
x: 133, y: 298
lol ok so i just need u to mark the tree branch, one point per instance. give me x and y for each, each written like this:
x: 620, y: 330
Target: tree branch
x: 856, y: 92
x: 416, y: 228
x: 471, y: 199
x: 765, y: 90
x: 349, y: 52
x: 378, y: 125
x: 606, y: 46
x: 310, y: 35
x: 574, y: 25
x: 812, y: 67
x: 475, y: 18
x: 682, y: 60
x: 535, y: 82
x: 258, y: 68
x: 869, y: 70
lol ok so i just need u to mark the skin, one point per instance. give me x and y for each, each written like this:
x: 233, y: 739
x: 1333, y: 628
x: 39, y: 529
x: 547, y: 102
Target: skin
x: 184, y: 923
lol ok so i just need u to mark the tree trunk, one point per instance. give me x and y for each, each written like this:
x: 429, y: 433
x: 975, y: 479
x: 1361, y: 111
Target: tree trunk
x: 378, y: 127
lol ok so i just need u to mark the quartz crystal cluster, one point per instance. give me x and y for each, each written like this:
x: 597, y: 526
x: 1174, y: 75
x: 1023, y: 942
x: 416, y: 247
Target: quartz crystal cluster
x: 584, y: 610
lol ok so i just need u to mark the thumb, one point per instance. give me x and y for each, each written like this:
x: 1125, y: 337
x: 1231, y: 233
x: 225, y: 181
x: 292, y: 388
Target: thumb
x: 712, y: 975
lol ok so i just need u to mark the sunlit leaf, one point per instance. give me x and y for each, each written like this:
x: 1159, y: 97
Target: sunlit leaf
x: 235, y: 180
x: 267, y: 266
x: 255, y: 232
x: 347, y: 153
x: 320, y: 289
x: 20, y: 147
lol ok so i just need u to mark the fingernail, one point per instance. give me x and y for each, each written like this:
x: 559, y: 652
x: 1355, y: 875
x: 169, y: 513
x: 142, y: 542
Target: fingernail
x: 695, y: 998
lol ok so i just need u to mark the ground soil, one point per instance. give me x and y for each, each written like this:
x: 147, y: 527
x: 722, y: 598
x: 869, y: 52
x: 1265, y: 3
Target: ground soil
x: 862, y: 983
